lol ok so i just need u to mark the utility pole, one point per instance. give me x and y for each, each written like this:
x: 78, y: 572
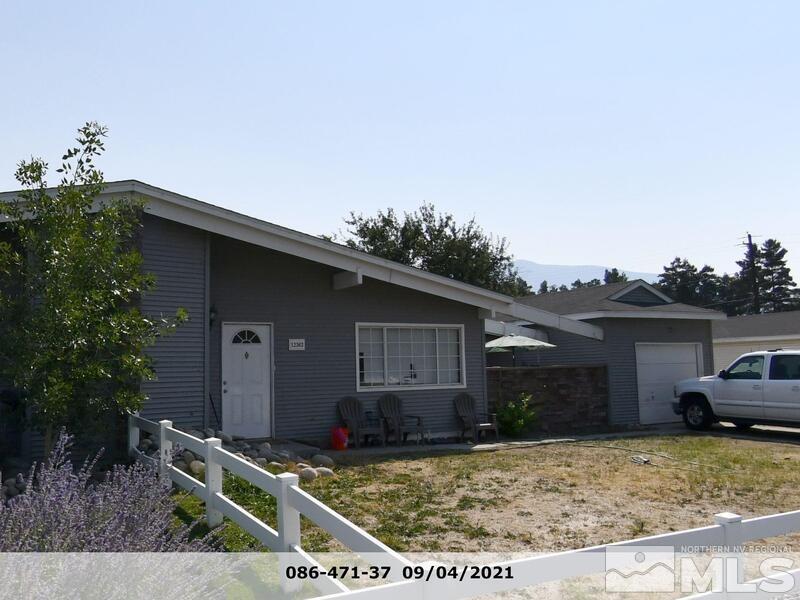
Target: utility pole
x: 751, y: 255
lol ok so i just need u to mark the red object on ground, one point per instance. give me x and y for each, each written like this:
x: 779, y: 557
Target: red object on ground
x: 339, y: 438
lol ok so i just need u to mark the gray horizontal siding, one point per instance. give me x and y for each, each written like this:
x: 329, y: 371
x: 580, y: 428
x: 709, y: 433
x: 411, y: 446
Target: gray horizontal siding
x: 175, y: 254
x: 622, y: 336
x: 618, y: 352
x: 641, y: 296
x: 258, y: 285
x: 570, y: 350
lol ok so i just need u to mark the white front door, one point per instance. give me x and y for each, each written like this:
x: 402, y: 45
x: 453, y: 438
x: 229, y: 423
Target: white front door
x: 246, y: 379
x: 658, y: 368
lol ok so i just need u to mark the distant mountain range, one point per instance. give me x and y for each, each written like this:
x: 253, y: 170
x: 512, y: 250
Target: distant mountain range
x: 535, y: 273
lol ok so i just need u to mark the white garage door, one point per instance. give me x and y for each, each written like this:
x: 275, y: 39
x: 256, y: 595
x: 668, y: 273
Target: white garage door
x: 658, y: 367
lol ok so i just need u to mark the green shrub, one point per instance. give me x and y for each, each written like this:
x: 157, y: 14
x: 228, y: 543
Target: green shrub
x: 516, y: 417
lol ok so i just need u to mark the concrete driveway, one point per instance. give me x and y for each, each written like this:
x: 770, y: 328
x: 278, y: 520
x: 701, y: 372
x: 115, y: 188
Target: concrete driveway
x: 764, y: 433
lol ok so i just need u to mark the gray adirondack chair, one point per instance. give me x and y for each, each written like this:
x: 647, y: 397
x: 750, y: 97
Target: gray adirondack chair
x: 396, y: 422
x: 465, y: 407
x: 352, y: 412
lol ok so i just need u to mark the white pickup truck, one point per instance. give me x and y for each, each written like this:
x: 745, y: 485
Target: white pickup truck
x: 757, y: 388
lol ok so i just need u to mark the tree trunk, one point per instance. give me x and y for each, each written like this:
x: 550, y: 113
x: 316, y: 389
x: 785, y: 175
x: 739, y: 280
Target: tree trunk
x: 48, y: 439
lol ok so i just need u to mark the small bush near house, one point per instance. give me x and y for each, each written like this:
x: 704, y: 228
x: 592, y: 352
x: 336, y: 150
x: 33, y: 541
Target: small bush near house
x: 58, y: 509
x: 516, y: 417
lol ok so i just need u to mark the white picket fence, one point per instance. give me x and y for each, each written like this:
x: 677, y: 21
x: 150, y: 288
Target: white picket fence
x: 729, y: 530
x: 291, y: 501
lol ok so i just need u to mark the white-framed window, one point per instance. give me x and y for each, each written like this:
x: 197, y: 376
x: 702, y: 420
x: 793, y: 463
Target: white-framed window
x: 399, y: 356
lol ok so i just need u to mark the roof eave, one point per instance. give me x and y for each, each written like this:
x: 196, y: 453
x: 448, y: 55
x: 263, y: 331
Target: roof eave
x: 757, y: 338
x: 544, y: 318
x: 649, y: 314
x: 215, y: 219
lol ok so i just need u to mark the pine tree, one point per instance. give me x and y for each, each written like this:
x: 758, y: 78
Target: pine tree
x: 614, y: 276
x: 776, y: 279
x: 749, y: 278
x: 709, y: 286
x: 730, y: 296
x: 678, y: 280
x: 684, y: 282
x: 577, y: 284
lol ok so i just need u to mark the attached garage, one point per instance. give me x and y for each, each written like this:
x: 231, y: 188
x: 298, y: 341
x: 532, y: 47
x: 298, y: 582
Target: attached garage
x: 658, y: 367
x: 649, y: 343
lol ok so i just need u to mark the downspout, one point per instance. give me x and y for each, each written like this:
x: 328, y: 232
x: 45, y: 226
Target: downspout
x: 207, y: 335
x: 483, y: 364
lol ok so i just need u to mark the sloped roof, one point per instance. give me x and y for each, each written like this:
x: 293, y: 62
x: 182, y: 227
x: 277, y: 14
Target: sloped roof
x: 757, y: 326
x: 608, y: 301
x: 209, y: 217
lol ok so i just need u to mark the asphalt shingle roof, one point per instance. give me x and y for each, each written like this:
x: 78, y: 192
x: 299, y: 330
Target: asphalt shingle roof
x: 765, y: 325
x: 596, y: 299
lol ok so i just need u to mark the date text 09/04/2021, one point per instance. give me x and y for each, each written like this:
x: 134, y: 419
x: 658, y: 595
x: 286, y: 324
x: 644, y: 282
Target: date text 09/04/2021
x: 417, y: 572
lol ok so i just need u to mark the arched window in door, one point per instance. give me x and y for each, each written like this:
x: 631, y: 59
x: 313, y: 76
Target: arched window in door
x: 246, y: 336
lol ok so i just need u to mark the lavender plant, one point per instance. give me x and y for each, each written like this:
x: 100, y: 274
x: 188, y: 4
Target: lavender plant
x: 64, y: 510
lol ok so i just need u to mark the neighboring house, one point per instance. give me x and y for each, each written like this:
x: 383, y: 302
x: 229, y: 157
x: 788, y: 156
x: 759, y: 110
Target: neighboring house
x: 649, y: 343
x: 282, y: 325
x: 749, y: 333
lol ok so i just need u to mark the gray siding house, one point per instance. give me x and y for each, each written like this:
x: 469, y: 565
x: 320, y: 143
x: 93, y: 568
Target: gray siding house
x: 649, y: 343
x: 282, y: 325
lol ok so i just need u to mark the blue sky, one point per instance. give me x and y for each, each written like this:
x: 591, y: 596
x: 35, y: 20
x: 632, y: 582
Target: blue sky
x: 618, y: 133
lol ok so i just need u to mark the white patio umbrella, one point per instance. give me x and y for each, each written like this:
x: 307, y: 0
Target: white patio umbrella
x: 510, y: 343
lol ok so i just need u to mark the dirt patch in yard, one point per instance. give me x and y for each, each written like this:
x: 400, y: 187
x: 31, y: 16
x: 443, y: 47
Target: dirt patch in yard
x: 563, y: 496
x: 546, y: 498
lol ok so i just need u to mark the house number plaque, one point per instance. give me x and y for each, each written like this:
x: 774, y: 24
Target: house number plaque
x: 297, y: 345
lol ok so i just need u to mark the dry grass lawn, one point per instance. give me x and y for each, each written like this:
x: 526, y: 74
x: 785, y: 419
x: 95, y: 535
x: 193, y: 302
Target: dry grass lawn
x: 544, y: 498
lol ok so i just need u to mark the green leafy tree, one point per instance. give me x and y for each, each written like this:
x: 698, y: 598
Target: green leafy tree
x: 614, y: 276
x: 72, y: 338
x: 777, y: 285
x: 543, y: 287
x: 436, y: 243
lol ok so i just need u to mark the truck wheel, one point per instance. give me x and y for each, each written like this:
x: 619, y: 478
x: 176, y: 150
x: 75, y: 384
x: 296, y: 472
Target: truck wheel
x: 697, y: 414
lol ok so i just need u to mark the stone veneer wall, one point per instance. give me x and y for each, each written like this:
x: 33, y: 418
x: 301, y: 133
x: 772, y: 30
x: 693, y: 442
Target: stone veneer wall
x: 566, y: 398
